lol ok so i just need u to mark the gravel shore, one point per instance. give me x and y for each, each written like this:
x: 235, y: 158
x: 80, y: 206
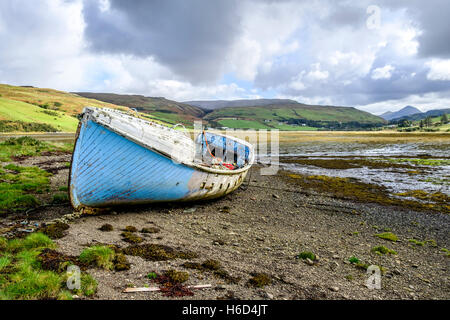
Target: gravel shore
x: 262, y: 229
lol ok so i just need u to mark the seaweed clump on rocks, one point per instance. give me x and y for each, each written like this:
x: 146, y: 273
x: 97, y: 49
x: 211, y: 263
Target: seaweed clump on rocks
x: 55, y: 230
x: 260, y: 280
x: 157, y: 252
x: 106, y: 227
x: 56, y: 261
x: 131, y: 237
x: 150, y: 230
x: 171, y: 283
x: 130, y: 229
x: 214, y: 266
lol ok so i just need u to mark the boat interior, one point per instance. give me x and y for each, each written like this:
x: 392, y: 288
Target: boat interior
x: 222, y: 152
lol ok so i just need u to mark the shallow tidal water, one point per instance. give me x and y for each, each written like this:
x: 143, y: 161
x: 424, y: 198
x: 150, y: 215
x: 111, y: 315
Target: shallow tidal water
x: 431, y: 178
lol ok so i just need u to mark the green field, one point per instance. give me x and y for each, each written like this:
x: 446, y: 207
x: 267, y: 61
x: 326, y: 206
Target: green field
x: 436, y: 126
x: 293, y: 116
x: 296, y: 111
x: 242, y: 124
x: 250, y: 124
x: 21, y: 111
x: 51, y: 99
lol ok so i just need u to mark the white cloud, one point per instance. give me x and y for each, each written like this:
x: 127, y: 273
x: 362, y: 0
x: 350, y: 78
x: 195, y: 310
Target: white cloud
x: 317, y: 74
x: 182, y: 91
x: 383, y: 72
x: 439, y: 69
x: 297, y: 85
x: 267, y: 28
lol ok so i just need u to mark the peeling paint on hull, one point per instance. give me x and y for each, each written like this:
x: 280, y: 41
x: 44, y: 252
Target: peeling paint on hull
x: 109, y: 169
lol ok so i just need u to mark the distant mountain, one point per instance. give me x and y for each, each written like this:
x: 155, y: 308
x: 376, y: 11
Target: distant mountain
x: 406, y: 111
x: 423, y: 115
x: 218, y: 104
x: 386, y: 115
x: 167, y: 110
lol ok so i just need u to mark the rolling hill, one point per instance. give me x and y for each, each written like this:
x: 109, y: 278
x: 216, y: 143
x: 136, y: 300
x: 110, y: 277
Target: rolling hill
x: 32, y: 109
x: 166, y: 110
x: 21, y: 116
x: 292, y: 116
x: 218, y: 104
x: 423, y: 115
x: 37, y: 109
x: 69, y: 103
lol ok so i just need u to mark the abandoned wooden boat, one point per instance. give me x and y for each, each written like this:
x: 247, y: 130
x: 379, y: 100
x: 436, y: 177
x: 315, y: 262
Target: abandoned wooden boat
x: 122, y: 159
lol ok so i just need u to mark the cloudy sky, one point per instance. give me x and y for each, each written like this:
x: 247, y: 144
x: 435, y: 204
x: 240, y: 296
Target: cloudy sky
x: 374, y: 55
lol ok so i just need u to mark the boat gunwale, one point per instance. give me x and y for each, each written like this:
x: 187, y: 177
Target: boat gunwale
x: 168, y: 156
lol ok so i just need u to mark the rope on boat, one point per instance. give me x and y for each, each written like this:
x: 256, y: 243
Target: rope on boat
x: 227, y: 165
x: 207, y: 145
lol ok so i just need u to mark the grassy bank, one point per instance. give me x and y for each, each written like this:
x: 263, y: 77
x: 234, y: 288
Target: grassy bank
x: 17, y: 114
x: 51, y: 99
x: 28, y: 272
x: 22, y: 187
x: 24, y: 147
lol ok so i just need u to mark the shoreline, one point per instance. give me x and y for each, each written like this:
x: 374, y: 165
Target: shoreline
x: 286, y: 137
x: 262, y: 229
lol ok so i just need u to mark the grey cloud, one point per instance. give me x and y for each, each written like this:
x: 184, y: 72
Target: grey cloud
x: 434, y: 21
x: 432, y: 18
x: 366, y: 90
x: 346, y: 14
x: 192, y: 38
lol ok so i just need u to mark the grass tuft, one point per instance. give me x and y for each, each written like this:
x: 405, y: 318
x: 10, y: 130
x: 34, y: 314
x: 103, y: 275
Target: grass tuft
x: 16, y: 185
x: 88, y: 285
x: 383, y: 250
x: 22, y: 276
x: 306, y: 255
x: 37, y: 240
x: 387, y: 236
x: 100, y: 256
x: 61, y: 197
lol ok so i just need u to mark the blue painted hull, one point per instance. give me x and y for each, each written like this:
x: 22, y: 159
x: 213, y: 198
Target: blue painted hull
x: 108, y: 169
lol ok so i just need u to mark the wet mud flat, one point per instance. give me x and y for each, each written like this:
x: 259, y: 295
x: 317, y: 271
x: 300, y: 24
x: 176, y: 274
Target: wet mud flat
x: 280, y: 237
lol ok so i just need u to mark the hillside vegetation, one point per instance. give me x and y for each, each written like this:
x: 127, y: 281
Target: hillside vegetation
x: 282, y: 114
x: 423, y: 115
x: 163, y: 109
x: 218, y: 104
x: 32, y: 109
x: 293, y: 116
x: 69, y: 103
x: 21, y: 116
x: 428, y: 124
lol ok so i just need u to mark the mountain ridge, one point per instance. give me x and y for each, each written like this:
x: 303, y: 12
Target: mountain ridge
x: 423, y: 115
x: 218, y: 104
x: 406, y: 111
x: 167, y: 110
